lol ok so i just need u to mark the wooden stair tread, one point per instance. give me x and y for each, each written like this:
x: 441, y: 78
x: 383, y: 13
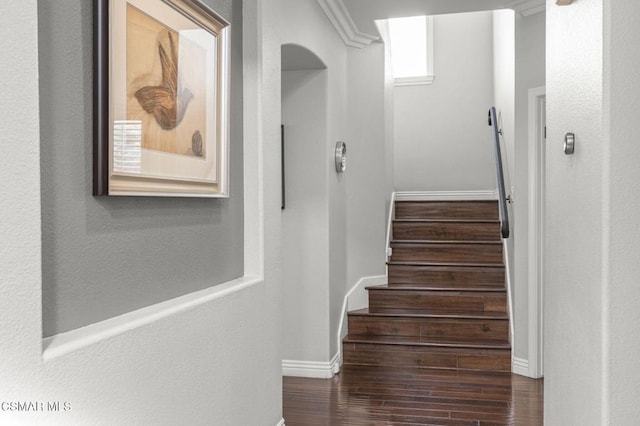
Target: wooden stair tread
x: 439, y: 289
x: 447, y: 264
x: 447, y: 209
x: 445, y: 242
x: 420, y: 313
x: 443, y: 220
x: 430, y: 341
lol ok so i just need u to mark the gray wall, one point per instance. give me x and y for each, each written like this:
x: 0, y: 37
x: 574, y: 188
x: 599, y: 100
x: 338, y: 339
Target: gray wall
x: 367, y: 185
x: 442, y: 142
x: 103, y: 257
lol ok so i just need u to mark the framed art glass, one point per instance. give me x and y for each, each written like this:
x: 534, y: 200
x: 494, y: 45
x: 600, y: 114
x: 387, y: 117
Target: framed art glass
x: 161, y: 99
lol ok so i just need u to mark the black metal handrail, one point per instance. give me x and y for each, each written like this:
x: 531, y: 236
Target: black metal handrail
x: 502, y: 196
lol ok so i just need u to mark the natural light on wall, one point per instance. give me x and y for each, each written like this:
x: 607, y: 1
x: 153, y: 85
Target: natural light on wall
x: 412, y: 49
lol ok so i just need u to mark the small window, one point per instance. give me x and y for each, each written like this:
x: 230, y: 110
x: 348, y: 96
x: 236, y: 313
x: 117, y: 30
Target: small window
x: 411, y: 45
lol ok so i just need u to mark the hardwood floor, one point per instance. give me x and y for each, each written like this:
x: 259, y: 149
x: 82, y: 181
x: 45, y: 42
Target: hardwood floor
x: 371, y: 395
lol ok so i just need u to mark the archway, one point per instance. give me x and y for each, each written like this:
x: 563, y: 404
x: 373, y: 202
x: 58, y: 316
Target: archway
x: 305, y: 214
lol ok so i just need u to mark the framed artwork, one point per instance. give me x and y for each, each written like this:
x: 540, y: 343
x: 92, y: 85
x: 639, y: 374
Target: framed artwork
x: 161, y: 99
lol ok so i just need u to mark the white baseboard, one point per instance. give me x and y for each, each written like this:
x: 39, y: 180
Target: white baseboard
x: 311, y: 369
x: 280, y: 423
x: 520, y: 367
x: 446, y: 195
x: 356, y: 298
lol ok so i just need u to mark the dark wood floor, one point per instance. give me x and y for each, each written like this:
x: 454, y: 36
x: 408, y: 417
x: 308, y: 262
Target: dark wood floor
x: 365, y: 395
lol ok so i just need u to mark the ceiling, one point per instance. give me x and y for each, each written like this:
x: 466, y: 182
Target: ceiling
x: 355, y: 20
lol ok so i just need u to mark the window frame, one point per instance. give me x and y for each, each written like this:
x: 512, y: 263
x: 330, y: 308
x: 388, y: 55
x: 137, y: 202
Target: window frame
x: 430, y: 76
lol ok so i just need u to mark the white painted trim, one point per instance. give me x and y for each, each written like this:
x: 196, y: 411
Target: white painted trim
x: 422, y: 80
x: 311, y: 369
x: 446, y: 195
x: 65, y: 343
x: 527, y: 7
x: 507, y: 273
x: 392, y: 216
x: 280, y: 423
x: 536, y: 155
x: 345, y: 26
x: 351, y: 302
x: 520, y: 366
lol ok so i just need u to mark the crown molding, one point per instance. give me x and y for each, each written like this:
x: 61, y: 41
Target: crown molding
x: 527, y: 7
x: 339, y: 16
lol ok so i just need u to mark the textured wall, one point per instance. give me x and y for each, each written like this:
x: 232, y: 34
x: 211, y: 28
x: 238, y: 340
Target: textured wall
x: 103, y: 257
x: 210, y: 357
x: 574, y: 216
x: 621, y: 298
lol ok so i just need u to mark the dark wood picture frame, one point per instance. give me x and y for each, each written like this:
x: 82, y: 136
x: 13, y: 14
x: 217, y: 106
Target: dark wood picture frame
x: 212, y: 113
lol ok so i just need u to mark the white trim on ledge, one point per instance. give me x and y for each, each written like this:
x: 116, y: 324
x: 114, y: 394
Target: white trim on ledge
x: 527, y: 7
x: 65, y: 343
x: 413, y: 81
x: 311, y: 369
x: 344, y: 25
x: 281, y: 422
x: 446, y: 195
x: 520, y: 367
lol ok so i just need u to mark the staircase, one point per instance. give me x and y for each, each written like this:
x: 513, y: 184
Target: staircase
x: 445, y: 305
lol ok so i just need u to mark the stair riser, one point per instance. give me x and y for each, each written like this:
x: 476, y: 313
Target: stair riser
x: 445, y: 231
x: 448, y: 253
x: 426, y: 328
x: 443, y: 302
x: 432, y: 276
x: 430, y: 357
x: 465, y: 210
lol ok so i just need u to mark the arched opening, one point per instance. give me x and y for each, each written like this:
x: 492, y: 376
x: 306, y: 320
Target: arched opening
x: 305, y: 214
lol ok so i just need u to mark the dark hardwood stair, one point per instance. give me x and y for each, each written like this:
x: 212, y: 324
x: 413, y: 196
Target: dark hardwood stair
x: 430, y: 325
x: 446, y: 230
x: 460, y: 210
x: 461, y: 252
x: 442, y: 300
x: 445, y: 304
x: 417, y: 274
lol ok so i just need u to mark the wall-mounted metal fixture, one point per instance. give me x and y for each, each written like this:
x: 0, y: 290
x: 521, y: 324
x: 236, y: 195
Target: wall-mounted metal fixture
x: 341, y: 157
x: 563, y: 2
x: 569, y: 143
